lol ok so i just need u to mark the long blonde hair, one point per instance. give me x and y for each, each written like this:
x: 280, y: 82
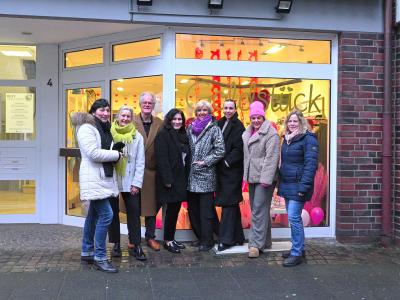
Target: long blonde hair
x: 303, y: 123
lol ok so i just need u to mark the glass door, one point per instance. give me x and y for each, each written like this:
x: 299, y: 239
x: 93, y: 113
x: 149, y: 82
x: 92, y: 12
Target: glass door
x: 77, y: 99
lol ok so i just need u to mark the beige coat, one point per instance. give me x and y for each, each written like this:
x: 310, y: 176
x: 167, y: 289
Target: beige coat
x: 261, y: 154
x: 148, y: 192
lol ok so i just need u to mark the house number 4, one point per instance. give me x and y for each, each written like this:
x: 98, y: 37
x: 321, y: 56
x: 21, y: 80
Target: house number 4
x: 49, y: 83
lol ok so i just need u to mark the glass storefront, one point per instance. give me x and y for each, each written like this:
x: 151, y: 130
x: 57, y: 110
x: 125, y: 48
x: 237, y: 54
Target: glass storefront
x: 83, y: 58
x: 248, y: 77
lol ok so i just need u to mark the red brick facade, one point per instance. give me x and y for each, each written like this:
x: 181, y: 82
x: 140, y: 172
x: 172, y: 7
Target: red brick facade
x: 360, y: 98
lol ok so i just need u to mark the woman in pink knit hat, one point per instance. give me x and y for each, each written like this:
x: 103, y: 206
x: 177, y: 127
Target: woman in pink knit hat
x: 261, y: 156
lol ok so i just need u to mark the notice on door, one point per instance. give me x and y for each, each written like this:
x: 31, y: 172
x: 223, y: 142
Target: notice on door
x: 19, y: 112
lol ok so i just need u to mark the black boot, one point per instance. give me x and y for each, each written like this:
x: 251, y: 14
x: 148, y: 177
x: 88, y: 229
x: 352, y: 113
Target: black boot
x: 292, y: 261
x: 104, y: 266
x: 87, y: 260
x: 223, y: 247
x: 138, y: 253
x: 179, y: 245
x: 286, y: 254
x: 171, y: 247
x: 116, y: 250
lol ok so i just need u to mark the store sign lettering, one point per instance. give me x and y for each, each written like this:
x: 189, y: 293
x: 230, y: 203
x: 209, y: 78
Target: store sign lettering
x: 279, y: 102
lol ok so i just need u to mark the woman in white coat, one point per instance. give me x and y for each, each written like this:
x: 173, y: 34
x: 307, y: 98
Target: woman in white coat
x: 130, y: 172
x: 97, y: 180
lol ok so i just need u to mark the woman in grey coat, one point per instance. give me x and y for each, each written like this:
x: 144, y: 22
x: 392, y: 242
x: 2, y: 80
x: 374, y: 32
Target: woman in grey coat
x: 261, y: 156
x: 207, y: 148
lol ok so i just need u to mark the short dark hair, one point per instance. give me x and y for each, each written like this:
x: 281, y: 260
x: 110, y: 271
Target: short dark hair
x: 230, y: 100
x: 99, y: 103
x: 171, y: 114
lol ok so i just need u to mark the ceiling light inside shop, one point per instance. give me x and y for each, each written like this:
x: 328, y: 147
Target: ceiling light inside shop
x: 226, y: 91
x: 176, y: 90
x: 275, y: 49
x: 120, y: 80
x: 184, y: 81
x: 245, y: 82
x: 120, y: 88
x: 17, y: 53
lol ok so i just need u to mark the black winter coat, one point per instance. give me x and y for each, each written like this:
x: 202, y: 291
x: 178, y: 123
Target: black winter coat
x: 170, y: 168
x: 298, y: 167
x: 229, y: 179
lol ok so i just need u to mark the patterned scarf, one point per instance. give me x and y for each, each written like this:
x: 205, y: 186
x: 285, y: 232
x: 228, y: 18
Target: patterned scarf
x: 199, y: 125
x: 289, y: 137
x: 124, y: 134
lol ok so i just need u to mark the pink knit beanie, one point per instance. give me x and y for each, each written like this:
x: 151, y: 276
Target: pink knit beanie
x: 257, y: 108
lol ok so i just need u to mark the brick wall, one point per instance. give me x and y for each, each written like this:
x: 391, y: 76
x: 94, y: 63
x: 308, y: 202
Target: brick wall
x: 359, y: 127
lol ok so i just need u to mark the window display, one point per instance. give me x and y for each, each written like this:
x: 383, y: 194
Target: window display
x: 252, y: 49
x: 279, y: 97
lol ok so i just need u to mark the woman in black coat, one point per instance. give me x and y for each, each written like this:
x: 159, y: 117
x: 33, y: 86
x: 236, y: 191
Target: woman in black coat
x: 171, y: 147
x: 230, y: 178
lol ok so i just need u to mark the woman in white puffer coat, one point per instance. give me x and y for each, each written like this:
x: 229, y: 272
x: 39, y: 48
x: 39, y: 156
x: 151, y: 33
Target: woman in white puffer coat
x: 97, y: 180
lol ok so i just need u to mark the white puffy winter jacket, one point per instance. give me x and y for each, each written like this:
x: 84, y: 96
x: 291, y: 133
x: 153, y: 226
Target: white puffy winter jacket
x: 94, y: 185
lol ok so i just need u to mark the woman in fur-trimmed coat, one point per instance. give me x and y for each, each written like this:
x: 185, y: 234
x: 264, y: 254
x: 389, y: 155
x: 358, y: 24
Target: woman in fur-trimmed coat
x: 97, y: 180
x: 261, y: 156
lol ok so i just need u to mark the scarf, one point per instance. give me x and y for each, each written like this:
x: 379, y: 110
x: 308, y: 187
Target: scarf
x: 106, y: 140
x: 199, y: 125
x: 124, y: 134
x: 289, y: 137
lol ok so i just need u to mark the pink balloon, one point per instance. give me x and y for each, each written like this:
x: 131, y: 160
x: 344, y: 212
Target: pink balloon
x: 306, y: 217
x: 282, y: 219
x: 317, y: 215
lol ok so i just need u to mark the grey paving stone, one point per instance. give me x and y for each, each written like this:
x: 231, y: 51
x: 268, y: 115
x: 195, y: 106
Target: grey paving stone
x: 129, y: 284
x: 8, y: 282
x: 38, y: 286
x: 249, y: 272
x: 84, y: 285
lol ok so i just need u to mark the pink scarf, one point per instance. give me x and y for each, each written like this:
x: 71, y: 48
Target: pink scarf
x: 289, y: 137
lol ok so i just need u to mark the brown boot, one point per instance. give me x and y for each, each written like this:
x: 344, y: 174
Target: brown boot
x: 130, y: 246
x: 153, y: 245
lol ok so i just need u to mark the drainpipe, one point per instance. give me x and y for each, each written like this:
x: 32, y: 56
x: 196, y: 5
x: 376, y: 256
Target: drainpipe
x: 386, y: 233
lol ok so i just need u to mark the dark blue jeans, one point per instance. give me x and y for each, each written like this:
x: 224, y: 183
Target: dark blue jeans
x: 294, y: 209
x: 96, y: 226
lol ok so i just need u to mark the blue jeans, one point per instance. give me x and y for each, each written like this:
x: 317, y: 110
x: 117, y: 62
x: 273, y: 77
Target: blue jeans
x: 294, y: 209
x: 96, y: 226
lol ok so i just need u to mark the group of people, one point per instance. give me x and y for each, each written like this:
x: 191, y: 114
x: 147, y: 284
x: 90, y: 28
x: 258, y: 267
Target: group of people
x: 152, y: 163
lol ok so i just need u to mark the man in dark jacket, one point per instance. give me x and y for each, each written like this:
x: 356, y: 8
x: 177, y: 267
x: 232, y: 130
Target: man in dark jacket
x: 230, y: 178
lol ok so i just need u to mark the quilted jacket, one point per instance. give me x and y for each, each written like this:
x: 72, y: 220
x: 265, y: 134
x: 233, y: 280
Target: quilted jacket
x: 298, y: 168
x: 94, y: 185
x: 209, y: 147
x: 261, y: 154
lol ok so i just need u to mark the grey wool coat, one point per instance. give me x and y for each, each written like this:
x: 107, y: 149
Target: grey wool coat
x: 261, y: 154
x: 209, y: 147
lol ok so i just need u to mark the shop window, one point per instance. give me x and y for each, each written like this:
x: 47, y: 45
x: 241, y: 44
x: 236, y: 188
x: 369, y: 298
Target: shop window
x: 17, y: 62
x: 17, y: 197
x: 280, y: 96
x: 83, y: 58
x: 136, y: 50
x: 252, y: 49
x: 126, y: 91
x: 18, y: 113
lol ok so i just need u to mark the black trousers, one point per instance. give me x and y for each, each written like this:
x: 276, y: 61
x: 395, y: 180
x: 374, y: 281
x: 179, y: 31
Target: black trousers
x: 150, y: 223
x: 171, y: 217
x: 132, y: 204
x: 203, y: 217
x: 230, y: 228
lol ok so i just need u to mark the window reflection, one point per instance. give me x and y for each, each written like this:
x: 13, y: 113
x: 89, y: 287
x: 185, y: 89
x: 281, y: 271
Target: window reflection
x: 17, y: 197
x: 17, y: 62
